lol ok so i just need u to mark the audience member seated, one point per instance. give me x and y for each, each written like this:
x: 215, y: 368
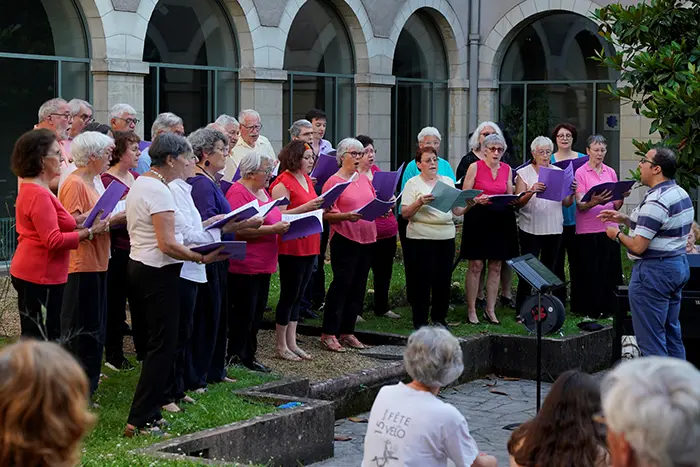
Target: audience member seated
x: 651, y: 407
x: 43, y: 406
x: 564, y: 432
x: 409, y: 424
x: 691, y: 248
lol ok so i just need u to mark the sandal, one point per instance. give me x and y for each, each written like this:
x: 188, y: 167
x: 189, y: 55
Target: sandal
x: 172, y: 408
x: 289, y: 356
x: 486, y: 317
x: 351, y: 341
x: 302, y: 354
x: 188, y: 400
x: 131, y: 431
x: 331, y: 343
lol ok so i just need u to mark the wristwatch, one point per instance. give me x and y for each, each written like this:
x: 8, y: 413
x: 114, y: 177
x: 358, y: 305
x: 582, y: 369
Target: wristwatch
x: 90, y: 235
x: 617, y: 237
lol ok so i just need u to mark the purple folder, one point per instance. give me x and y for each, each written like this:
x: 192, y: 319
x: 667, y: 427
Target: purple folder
x: 375, y: 209
x: 326, y: 165
x: 502, y: 201
x: 242, y: 213
x: 303, y: 225
x: 143, y: 145
x: 234, y: 250
x: 330, y: 196
x: 385, y: 183
x: 558, y: 183
x: 617, y: 188
x: 576, y: 163
x: 237, y: 175
x: 107, y: 202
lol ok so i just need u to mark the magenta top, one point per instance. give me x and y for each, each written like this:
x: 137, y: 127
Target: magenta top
x: 485, y: 182
x: 356, y: 195
x: 387, y: 226
x: 587, y: 178
x: 261, y: 252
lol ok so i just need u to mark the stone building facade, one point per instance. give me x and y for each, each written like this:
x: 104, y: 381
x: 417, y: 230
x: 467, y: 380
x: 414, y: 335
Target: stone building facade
x: 384, y: 68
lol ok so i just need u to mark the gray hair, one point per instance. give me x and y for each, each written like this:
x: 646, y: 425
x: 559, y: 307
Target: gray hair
x: 474, y: 140
x: 167, y: 145
x: 247, y: 113
x: 225, y: 120
x: 495, y: 139
x: 655, y: 403
x: 429, y: 131
x: 433, y: 357
x: 541, y: 141
x: 75, y: 105
x: 252, y: 161
x: 345, y: 145
x: 89, y: 143
x: 163, y: 123
x: 120, y: 109
x: 295, y: 129
x: 596, y: 139
x: 204, y: 140
x: 49, y: 107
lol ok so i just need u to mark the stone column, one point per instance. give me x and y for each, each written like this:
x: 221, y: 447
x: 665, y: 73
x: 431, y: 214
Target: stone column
x: 119, y: 82
x: 458, y: 121
x: 261, y: 89
x: 373, y: 95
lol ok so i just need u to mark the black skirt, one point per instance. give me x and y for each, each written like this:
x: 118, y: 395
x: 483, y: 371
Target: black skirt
x: 489, y: 233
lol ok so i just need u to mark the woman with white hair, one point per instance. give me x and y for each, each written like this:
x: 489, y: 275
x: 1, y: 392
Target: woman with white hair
x: 491, y: 233
x: 351, y: 241
x: 249, y: 279
x: 409, y: 423
x: 651, y: 407
x: 540, y: 221
x: 84, y: 310
x: 232, y: 129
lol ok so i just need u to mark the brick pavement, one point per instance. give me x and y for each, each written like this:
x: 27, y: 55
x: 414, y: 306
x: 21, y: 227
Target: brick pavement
x: 486, y: 412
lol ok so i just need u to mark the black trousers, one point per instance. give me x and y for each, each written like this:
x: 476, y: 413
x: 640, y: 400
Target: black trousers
x: 153, y: 297
x: 567, y: 248
x: 30, y: 298
x: 544, y: 247
x: 247, y: 295
x: 116, y: 305
x: 350, y: 262
x: 431, y: 261
x: 210, y: 329
x: 182, y: 367
x: 84, y: 320
x: 405, y: 249
x: 382, y: 266
x: 319, y: 277
x: 295, y: 272
x: 593, y: 294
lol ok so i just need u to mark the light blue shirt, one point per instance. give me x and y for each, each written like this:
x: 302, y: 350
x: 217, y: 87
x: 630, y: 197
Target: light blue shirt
x: 144, y: 162
x: 444, y: 168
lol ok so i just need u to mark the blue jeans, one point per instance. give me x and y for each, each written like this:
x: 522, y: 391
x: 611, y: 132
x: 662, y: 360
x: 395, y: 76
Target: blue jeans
x: 307, y: 297
x: 655, y: 301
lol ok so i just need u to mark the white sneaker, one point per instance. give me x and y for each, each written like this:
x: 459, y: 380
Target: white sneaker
x: 392, y: 315
x: 359, y: 319
x: 111, y: 367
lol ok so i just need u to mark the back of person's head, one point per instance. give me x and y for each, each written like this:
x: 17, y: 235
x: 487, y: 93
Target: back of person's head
x: 167, y: 144
x: 30, y: 150
x: 652, y: 412
x: 98, y: 127
x: 43, y: 405
x: 433, y: 357
x: 563, y: 432
x: 291, y: 155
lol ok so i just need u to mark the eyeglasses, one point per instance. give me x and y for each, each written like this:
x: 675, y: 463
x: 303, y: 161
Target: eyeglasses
x: 432, y: 160
x: 644, y: 160
x: 565, y: 136
x: 87, y: 119
x: 496, y: 150
x: 267, y: 171
x: 543, y: 152
x: 355, y: 154
x: 129, y: 121
x: 220, y: 148
x: 252, y: 127
x: 66, y: 115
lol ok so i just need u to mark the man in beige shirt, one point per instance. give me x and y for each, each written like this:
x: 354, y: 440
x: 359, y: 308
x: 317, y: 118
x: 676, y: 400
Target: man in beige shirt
x: 250, y: 139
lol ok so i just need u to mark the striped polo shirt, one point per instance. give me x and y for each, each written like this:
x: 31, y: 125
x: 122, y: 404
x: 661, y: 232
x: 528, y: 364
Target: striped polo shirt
x: 664, y: 217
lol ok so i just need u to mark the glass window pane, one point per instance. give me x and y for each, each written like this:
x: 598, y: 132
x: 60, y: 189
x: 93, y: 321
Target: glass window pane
x: 315, y: 92
x: 75, y: 80
x: 345, y: 115
x: 184, y: 92
x: 318, y: 42
x: 441, y: 106
x: 511, y: 120
x: 42, y: 28
x: 608, y: 124
x: 30, y: 84
x: 226, y: 93
x: 412, y: 111
x: 420, y: 52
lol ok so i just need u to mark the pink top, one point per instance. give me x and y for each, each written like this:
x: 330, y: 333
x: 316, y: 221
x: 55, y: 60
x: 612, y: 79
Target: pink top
x: 387, y: 226
x: 587, y: 178
x: 484, y: 179
x: 356, y: 195
x: 261, y: 252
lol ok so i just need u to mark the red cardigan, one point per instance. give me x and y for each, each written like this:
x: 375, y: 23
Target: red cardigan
x: 46, y: 236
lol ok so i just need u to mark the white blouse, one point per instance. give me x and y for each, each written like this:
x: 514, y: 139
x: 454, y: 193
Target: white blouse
x: 539, y: 216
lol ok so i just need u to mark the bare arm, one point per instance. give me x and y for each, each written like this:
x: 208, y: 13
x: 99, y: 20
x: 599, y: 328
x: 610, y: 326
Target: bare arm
x: 164, y: 225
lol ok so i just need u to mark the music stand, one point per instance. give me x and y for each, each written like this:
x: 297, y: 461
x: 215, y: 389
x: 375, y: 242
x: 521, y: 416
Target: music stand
x: 544, y: 281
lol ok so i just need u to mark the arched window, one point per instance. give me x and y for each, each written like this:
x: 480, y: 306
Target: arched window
x: 193, y: 55
x: 43, y: 54
x: 420, y: 96
x: 548, y: 76
x: 320, y: 63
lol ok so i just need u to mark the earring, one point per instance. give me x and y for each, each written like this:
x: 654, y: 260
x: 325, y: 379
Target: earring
x: 206, y: 164
x: 170, y: 164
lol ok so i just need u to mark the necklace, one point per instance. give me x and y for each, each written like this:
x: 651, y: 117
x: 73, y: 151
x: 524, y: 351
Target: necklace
x: 207, y: 174
x: 162, y: 179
